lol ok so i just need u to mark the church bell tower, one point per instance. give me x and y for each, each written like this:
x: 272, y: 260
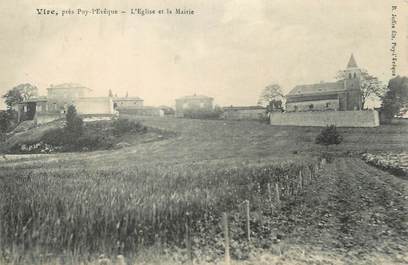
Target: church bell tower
x: 352, y: 75
x: 352, y: 85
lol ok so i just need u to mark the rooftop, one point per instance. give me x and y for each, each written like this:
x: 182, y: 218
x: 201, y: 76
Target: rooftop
x: 67, y: 85
x: 319, y: 88
x: 352, y: 62
x: 194, y: 97
x: 126, y: 98
x: 35, y: 99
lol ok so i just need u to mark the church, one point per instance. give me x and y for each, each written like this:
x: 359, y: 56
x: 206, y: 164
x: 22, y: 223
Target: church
x: 342, y: 95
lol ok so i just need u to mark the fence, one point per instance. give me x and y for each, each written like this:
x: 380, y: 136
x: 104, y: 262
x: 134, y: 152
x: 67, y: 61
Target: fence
x: 276, y: 194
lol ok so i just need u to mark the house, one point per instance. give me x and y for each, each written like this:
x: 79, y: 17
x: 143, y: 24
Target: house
x: 127, y: 102
x: 244, y: 113
x: 342, y: 95
x: 55, y: 104
x: 194, y: 103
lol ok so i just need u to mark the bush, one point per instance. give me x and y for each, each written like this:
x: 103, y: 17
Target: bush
x: 329, y: 136
x: 56, y: 137
x: 125, y: 126
x: 93, y: 142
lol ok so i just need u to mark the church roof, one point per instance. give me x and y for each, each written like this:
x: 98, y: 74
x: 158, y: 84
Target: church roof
x: 318, y: 88
x: 352, y: 62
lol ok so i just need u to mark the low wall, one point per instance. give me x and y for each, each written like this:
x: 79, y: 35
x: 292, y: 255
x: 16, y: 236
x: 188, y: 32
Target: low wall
x: 101, y: 105
x: 47, y: 117
x: 244, y: 114
x: 356, y: 118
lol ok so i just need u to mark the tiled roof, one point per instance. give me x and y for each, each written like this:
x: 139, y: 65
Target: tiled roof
x: 35, y: 99
x: 127, y: 99
x: 68, y: 85
x: 317, y: 88
x: 194, y: 97
x: 352, y: 62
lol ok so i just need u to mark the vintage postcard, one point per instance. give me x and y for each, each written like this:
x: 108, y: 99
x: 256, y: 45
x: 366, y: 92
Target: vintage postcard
x: 203, y: 132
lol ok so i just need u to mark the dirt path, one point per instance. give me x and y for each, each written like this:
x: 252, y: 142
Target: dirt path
x: 356, y: 208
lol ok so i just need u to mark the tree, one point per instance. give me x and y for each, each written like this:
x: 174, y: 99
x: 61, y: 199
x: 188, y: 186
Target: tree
x: 395, y: 98
x: 329, y: 136
x: 20, y: 93
x: 4, y: 121
x: 370, y: 86
x: 270, y: 93
x: 74, y: 125
x: 8, y: 118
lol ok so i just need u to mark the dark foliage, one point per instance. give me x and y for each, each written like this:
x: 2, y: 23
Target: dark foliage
x: 8, y: 120
x: 19, y: 93
x: 75, y: 125
x: 395, y: 98
x: 125, y: 126
x: 329, y: 136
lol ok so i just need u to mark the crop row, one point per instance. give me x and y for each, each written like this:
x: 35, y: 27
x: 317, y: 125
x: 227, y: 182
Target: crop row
x: 396, y: 163
x: 120, y: 211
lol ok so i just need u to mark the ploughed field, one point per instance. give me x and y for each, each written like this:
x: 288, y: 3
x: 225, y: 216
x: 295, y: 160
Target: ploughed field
x: 149, y: 194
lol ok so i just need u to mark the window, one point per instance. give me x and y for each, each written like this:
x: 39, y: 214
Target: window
x: 295, y: 108
x: 355, y: 75
x: 328, y: 105
x: 349, y: 75
x: 311, y: 106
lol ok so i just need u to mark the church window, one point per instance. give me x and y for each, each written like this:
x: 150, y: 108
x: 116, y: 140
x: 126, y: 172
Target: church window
x: 355, y: 75
x: 349, y: 75
x: 311, y: 106
x: 328, y: 105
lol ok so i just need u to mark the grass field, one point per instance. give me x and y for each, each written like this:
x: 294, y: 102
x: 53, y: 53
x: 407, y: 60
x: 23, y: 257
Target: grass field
x: 115, y: 201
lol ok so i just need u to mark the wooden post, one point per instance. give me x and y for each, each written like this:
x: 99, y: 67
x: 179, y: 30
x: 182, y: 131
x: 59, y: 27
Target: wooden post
x: 270, y: 194
x: 277, y: 194
x: 188, y: 242
x: 248, y: 225
x: 226, y: 236
x: 300, y: 180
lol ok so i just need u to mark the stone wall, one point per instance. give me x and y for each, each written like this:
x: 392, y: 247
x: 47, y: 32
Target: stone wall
x: 244, y: 114
x: 102, y: 105
x: 359, y: 118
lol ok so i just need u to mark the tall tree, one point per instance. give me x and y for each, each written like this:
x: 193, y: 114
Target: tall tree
x: 74, y: 125
x: 370, y: 86
x: 20, y: 93
x: 395, y: 98
x: 270, y: 93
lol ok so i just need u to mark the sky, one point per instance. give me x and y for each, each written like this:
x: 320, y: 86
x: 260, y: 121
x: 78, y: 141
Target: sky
x: 229, y: 50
